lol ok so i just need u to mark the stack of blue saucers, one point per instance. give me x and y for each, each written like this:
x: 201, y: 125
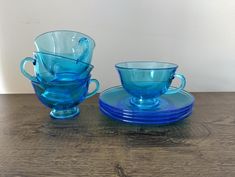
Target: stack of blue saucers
x: 115, y: 103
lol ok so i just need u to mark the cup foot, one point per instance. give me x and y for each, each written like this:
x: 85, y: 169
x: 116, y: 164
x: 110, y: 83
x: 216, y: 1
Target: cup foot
x: 144, y: 103
x: 64, y: 114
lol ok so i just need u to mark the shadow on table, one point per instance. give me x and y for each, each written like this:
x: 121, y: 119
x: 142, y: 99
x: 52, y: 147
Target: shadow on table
x: 92, y: 123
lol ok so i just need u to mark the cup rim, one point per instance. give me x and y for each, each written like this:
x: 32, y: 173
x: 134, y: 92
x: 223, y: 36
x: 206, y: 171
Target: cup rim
x: 64, y: 30
x: 50, y: 54
x: 37, y: 81
x: 171, y: 65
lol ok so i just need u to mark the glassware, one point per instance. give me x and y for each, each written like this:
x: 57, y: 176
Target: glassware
x: 145, y: 81
x: 143, y: 114
x: 143, y: 117
x: 159, y: 121
x: 49, y: 67
x: 114, y: 102
x: 66, y: 43
x: 116, y: 98
x: 63, y: 97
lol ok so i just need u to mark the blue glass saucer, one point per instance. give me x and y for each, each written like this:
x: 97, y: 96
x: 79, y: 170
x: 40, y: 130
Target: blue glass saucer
x: 143, y: 116
x: 114, y: 102
x: 159, y: 121
x: 118, y: 99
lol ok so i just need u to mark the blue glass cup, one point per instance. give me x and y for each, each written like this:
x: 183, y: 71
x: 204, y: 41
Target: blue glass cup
x: 145, y: 81
x: 64, y: 97
x: 49, y: 67
x: 70, y: 44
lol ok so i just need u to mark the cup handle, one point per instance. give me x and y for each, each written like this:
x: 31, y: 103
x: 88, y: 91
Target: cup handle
x: 96, y: 89
x: 22, y: 68
x: 181, y: 87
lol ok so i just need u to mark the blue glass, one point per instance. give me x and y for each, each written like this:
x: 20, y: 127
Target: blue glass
x: 64, y: 97
x: 66, y: 43
x: 145, y: 81
x: 157, y: 121
x: 116, y: 101
x: 118, y: 98
x: 143, y: 114
x: 49, y: 67
x: 147, y: 119
x: 144, y: 117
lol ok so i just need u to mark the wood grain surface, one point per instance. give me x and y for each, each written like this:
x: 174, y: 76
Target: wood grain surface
x: 32, y: 144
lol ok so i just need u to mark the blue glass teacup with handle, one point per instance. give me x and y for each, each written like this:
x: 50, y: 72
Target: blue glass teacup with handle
x: 64, y: 97
x: 145, y: 81
x: 50, y: 67
x: 70, y: 44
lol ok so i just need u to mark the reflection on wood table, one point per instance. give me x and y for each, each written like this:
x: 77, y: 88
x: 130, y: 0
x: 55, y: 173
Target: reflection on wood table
x: 31, y: 144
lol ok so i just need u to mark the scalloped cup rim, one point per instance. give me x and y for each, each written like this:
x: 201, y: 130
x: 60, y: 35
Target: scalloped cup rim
x: 140, y: 65
x: 61, y: 30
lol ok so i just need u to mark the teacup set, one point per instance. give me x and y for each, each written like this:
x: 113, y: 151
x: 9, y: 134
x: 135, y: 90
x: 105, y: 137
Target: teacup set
x: 145, y: 96
x: 63, y: 74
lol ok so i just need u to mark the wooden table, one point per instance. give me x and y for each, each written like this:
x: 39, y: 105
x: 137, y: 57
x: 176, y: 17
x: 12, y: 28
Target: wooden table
x: 31, y: 144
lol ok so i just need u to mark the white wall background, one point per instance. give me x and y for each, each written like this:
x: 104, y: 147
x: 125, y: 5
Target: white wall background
x: 199, y: 35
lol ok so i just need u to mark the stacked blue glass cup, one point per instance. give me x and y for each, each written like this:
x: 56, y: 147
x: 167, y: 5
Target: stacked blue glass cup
x: 62, y: 67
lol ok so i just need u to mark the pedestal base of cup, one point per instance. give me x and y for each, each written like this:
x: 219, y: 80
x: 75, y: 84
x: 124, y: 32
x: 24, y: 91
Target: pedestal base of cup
x: 144, y: 103
x: 64, y: 114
